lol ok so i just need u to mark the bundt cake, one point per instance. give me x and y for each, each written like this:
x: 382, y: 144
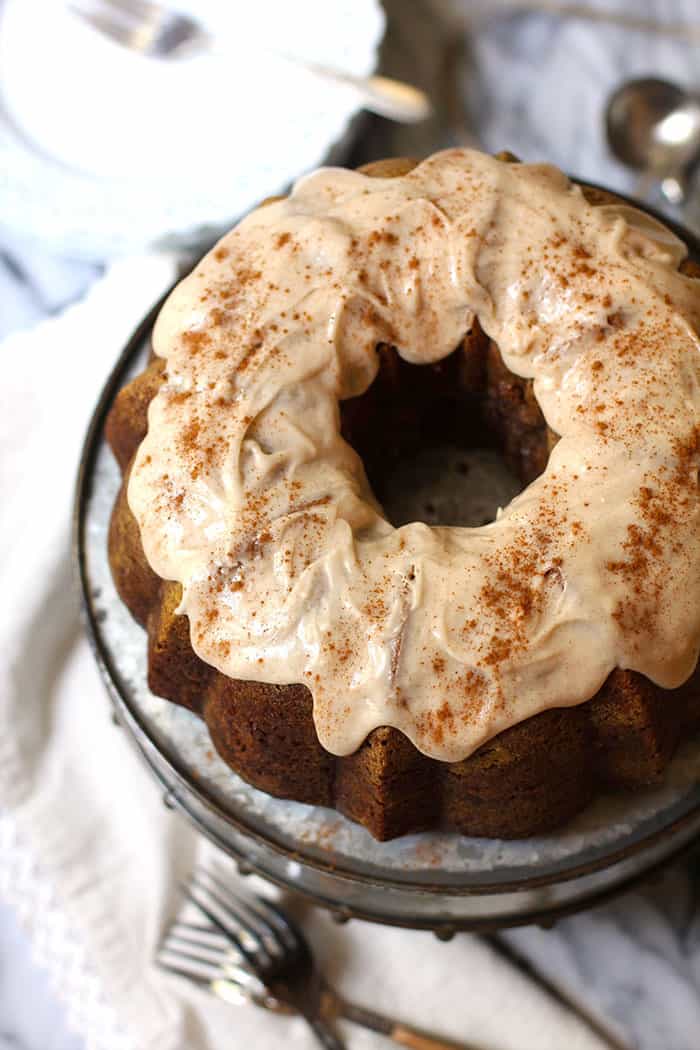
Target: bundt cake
x: 489, y: 680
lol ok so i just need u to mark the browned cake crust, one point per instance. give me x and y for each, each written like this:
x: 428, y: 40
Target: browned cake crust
x: 527, y: 780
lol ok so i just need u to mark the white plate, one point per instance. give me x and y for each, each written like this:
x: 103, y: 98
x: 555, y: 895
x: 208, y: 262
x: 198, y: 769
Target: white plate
x: 103, y: 152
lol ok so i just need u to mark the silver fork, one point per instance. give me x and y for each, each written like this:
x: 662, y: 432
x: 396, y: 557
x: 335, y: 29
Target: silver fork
x: 252, y: 950
x: 154, y: 30
x: 205, y: 956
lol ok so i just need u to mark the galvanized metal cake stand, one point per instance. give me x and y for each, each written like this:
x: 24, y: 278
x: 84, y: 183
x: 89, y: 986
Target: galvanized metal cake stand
x: 436, y: 881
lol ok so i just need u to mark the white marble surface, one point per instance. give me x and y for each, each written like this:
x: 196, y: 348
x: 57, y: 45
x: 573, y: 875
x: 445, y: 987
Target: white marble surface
x: 535, y: 85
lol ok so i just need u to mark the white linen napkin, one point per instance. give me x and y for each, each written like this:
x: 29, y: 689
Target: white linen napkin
x: 89, y: 855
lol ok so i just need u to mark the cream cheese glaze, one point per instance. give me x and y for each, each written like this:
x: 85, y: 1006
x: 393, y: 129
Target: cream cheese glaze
x: 246, y: 494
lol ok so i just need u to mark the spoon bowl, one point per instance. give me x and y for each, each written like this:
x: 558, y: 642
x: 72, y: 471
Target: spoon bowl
x: 653, y: 127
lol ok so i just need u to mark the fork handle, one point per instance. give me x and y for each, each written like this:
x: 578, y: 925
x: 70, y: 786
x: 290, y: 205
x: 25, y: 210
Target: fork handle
x: 403, y: 1034
x: 323, y: 1033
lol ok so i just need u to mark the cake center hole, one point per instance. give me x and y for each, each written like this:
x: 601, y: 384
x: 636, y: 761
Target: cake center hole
x: 448, y: 443
x: 448, y: 485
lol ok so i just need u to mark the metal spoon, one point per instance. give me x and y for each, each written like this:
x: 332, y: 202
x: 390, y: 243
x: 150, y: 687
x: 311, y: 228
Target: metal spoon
x: 653, y: 127
x: 155, y: 31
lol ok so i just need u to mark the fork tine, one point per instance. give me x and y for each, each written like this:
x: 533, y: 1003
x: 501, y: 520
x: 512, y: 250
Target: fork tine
x: 283, y: 932
x: 218, y: 893
x: 217, y: 956
x: 249, y: 982
x: 206, y: 966
x: 230, y: 925
x: 188, y: 965
x: 229, y: 989
x: 217, y: 973
x: 286, y: 927
x: 223, y: 964
x: 205, y: 935
x: 246, y: 910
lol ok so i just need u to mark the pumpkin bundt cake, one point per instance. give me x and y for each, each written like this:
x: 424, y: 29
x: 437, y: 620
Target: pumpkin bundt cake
x: 490, y: 680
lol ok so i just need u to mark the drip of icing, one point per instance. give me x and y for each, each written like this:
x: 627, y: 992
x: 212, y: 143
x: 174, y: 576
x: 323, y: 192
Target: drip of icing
x: 246, y: 494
